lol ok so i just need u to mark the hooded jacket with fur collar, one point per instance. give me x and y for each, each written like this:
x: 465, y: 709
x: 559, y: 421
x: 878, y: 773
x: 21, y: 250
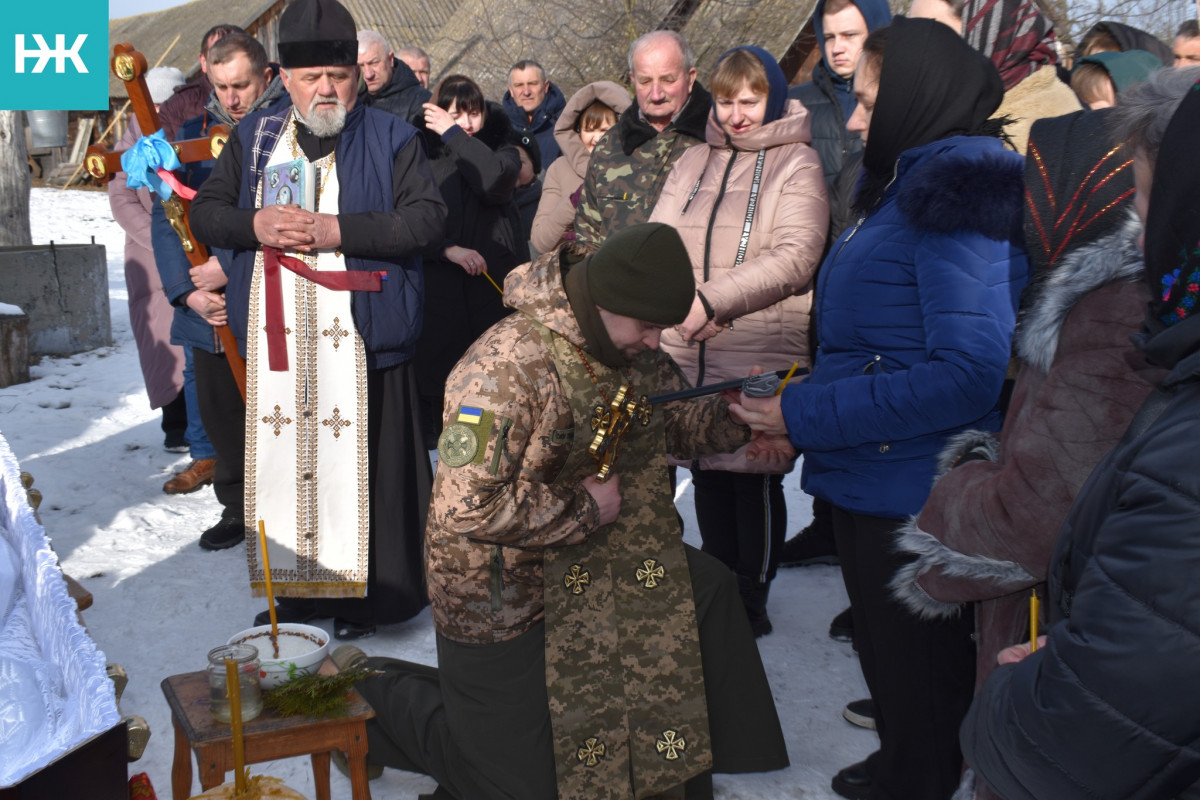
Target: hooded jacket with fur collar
x: 987, y: 530
x: 916, y: 306
x: 630, y: 166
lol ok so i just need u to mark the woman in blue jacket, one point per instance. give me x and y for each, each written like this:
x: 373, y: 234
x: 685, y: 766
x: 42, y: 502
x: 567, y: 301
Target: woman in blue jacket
x: 915, y: 309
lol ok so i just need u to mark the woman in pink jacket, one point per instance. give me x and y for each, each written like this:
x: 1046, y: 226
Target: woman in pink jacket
x: 586, y: 118
x: 752, y: 210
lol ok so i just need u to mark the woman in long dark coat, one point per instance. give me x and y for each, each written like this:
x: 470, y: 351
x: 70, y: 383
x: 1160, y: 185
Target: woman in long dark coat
x: 476, y: 170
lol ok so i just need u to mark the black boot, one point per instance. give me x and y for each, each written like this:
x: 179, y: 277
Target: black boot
x: 174, y: 425
x: 754, y: 598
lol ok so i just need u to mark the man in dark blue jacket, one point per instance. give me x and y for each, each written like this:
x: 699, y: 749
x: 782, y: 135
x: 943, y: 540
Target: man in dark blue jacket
x: 242, y: 81
x: 533, y: 104
x: 326, y: 298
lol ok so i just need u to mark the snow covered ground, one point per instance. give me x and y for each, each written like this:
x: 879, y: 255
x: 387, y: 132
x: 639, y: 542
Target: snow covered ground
x: 84, y: 429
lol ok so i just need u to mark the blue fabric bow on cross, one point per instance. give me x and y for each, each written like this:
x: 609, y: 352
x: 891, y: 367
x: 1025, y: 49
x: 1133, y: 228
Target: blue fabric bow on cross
x: 145, y: 162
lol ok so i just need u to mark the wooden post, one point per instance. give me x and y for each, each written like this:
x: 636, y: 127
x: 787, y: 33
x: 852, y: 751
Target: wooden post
x: 14, y: 181
x: 14, y: 348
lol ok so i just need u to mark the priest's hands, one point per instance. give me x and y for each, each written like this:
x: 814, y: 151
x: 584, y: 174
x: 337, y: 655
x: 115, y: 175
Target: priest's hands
x: 292, y: 228
x: 209, y: 305
x: 209, y: 276
x: 607, y: 496
x: 470, y: 260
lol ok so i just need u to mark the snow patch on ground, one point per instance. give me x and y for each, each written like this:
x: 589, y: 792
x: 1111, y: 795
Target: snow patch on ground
x: 84, y: 429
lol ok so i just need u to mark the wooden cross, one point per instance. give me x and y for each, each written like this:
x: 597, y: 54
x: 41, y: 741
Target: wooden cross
x: 130, y: 66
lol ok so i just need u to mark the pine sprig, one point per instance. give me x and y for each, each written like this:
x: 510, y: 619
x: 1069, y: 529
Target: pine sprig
x: 322, y: 696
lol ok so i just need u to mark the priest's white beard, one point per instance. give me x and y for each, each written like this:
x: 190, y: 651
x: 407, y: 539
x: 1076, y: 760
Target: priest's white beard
x: 324, y: 124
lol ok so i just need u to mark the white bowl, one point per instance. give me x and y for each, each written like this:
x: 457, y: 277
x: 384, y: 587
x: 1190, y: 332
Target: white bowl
x: 302, y: 648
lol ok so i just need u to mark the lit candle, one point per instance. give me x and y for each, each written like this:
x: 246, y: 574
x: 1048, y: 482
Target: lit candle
x: 266, y: 562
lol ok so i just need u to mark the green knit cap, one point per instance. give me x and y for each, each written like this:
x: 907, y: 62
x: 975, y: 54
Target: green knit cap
x: 643, y: 272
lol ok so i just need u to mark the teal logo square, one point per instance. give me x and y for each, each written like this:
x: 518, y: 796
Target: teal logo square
x: 55, y: 61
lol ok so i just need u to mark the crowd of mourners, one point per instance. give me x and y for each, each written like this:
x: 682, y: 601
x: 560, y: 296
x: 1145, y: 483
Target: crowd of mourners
x: 973, y: 259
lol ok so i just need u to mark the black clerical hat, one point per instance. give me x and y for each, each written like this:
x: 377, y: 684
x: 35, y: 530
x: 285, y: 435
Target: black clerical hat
x: 317, y: 33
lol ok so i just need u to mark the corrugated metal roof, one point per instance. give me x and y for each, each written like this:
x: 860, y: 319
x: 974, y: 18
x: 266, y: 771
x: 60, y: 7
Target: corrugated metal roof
x: 153, y: 33
x: 718, y: 25
x: 577, y: 41
x: 403, y: 22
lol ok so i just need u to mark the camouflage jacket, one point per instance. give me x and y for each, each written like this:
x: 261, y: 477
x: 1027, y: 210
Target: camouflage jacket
x: 492, y: 515
x: 630, y: 165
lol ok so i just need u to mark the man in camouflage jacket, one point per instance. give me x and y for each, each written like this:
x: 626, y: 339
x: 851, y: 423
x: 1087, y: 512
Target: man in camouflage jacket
x: 630, y: 164
x: 584, y: 651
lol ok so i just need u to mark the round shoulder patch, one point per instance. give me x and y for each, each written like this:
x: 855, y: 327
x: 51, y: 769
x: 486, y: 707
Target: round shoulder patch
x: 457, y: 445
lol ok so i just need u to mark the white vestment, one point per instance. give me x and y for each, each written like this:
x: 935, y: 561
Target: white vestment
x: 306, y: 427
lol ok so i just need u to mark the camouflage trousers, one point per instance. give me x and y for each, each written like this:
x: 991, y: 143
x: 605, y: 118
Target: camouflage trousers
x: 480, y: 724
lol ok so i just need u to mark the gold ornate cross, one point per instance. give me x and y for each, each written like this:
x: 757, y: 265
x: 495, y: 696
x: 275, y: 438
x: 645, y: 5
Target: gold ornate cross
x: 650, y: 573
x: 672, y: 744
x: 576, y: 579
x: 610, y: 424
x: 591, y: 752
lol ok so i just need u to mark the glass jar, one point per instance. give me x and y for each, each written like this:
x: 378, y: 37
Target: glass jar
x: 245, y: 657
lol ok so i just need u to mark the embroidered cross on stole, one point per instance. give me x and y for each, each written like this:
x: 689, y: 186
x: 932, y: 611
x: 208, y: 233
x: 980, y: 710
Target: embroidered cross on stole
x: 306, y: 426
x: 623, y: 670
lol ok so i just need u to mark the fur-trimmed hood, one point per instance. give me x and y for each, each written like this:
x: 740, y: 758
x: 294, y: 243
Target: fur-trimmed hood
x: 929, y: 553
x: 962, y: 183
x: 1054, y: 292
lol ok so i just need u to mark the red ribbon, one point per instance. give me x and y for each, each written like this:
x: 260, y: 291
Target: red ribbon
x: 339, y: 281
x: 185, y: 192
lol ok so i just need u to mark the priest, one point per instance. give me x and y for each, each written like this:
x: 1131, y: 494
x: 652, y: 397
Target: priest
x: 326, y: 302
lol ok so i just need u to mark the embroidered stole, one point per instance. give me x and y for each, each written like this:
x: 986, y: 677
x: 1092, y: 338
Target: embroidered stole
x: 306, y: 427
x: 623, y: 670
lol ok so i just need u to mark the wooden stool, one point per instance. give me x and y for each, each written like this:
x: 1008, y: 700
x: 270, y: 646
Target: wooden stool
x: 267, y: 737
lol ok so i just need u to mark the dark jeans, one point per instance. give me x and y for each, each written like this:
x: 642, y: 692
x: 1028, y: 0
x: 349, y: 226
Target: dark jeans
x: 743, y: 520
x: 223, y: 412
x: 921, y: 674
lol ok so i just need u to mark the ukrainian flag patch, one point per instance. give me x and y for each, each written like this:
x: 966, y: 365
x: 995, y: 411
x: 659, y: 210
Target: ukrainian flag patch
x: 465, y: 441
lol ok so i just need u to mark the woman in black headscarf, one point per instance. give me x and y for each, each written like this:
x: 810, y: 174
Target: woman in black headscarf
x: 1105, y: 707
x: 915, y: 306
x: 476, y: 169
